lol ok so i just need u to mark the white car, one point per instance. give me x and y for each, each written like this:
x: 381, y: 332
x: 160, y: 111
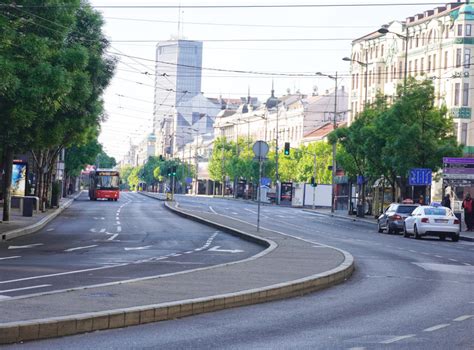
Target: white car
x: 429, y: 220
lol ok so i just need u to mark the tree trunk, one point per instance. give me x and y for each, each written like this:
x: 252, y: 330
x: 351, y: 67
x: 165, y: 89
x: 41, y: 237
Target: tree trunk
x: 7, y: 193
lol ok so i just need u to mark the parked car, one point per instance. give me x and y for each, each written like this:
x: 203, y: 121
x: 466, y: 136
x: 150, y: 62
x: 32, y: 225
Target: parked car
x: 393, y: 217
x: 435, y: 221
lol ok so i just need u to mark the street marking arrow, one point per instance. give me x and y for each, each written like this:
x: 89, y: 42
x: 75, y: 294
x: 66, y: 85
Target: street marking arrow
x: 24, y: 246
x: 216, y: 249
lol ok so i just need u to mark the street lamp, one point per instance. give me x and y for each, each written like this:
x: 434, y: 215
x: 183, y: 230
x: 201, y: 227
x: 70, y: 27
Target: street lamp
x: 333, y: 192
x: 405, y: 37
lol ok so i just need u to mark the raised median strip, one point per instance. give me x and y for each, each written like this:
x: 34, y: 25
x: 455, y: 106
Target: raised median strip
x: 288, y: 267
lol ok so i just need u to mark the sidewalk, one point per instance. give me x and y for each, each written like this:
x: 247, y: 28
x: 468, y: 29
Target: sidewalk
x: 20, y: 225
x: 465, y: 235
x: 286, y: 267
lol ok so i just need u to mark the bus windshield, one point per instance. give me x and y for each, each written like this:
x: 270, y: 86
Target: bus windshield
x: 107, y: 181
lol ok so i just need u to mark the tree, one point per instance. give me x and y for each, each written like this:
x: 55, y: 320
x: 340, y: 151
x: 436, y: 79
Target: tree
x: 125, y: 172
x: 103, y: 160
x: 78, y: 156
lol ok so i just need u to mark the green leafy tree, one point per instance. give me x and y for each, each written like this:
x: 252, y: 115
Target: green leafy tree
x: 77, y: 157
x: 103, y: 160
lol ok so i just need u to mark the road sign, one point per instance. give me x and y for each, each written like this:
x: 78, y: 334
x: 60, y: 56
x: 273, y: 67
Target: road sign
x: 260, y: 148
x: 419, y: 177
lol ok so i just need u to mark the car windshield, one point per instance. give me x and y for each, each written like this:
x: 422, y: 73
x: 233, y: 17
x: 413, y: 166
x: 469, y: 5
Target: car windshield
x: 406, y: 209
x: 435, y: 211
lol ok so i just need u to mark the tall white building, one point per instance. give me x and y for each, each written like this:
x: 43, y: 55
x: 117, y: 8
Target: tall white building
x: 440, y: 45
x: 177, y: 81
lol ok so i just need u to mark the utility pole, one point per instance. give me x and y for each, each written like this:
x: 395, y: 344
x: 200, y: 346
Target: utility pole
x: 314, y: 186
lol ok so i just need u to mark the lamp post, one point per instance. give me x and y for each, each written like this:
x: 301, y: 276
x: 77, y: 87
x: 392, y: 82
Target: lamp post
x: 333, y: 191
x: 405, y: 37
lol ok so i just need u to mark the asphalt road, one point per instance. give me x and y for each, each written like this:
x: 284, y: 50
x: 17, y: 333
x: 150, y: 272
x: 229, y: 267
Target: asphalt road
x: 100, y: 242
x: 404, y: 294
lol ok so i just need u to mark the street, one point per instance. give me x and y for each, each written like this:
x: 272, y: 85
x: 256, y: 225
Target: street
x: 98, y: 242
x: 405, y: 293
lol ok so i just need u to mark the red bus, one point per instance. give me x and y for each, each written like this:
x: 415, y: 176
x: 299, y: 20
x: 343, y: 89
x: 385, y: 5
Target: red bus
x: 104, y: 184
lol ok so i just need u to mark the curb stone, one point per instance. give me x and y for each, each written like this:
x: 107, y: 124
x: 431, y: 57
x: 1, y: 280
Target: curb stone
x: 88, y: 322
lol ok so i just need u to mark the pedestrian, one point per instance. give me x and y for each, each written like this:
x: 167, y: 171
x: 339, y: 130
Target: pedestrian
x: 467, y: 205
x: 446, y: 201
x: 70, y: 188
x: 421, y: 200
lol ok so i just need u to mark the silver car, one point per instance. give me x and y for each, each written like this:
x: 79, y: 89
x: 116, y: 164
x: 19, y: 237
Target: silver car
x: 393, y: 217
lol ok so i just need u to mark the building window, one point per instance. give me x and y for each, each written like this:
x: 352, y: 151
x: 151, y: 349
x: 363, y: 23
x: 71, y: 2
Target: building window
x: 455, y: 131
x: 357, y: 80
x: 376, y: 51
x: 411, y: 43
x: 386, y: 74
x: 446, y: 31
x: 468, y: 30
x: 353, y: 85
x: 465, y: 94
x: 409, y: 68
x: 381, y: 50
x: 464, y: 133
x: 459, y: 29
x: 429, y: 64
x: 379, y: 75
x: 400, y: 65
x: 458, y: 57
x: 415, y: 70
x: 467, y: 58
x: 434, y: 62
x: 422, y: 63
x: 417, y: 40
x: 445, y: 60
x: 394, y: 73
x: 457, y: 86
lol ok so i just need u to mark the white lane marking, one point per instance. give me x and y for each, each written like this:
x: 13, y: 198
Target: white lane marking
x: 188, y: 252
x: 456, y: 269
x: 393, y: 340
x: 438, y: 256
x: 357, y: 348
x: 281, y: 216
x: 138, y: 248
x: 412, y: 251
x: 25, y: 288
x: 467, y: 264
x: 102, y: 230
x: 4, y: 297
x: 119, y: 229
x: 24, y: 246
x: 93, y: 230
x: 435, y: 328
x: 235, y: 213
x: 118, y: 222
x: 111, y: 238
x: 212, y: 209
x: 252, y: 211
x: 453, y: 260
x: 463, y: 318
x: 10, y: 257
x: 216, y: 249
x: 50, y: 229
x: 79, y: 248
x: 117, y: 218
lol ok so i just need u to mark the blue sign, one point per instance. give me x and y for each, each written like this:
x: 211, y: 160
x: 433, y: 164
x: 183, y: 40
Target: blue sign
x: 419, y: 177
x: 265, y: 181
x: 360, y: 179
x: 189, y: 180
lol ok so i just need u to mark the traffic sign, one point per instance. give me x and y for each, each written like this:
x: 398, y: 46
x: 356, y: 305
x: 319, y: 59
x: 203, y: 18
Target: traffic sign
x: 260, y: 148
x: 420, y: 177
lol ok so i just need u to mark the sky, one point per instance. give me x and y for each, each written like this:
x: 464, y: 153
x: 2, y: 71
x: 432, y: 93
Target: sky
x: 302, y: 40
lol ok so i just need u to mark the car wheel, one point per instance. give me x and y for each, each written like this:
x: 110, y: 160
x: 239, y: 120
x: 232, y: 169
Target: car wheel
x: 405, y: 232
x: 380, y: 229
x: 455, y: 238
x: 416, y: 235
x: 442, y: 237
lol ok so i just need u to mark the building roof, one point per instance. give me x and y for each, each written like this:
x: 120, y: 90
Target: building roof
x: 322, y: 131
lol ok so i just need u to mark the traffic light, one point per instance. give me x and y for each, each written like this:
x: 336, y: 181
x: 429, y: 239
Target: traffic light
x: 287, y: 149
x: 173, y: 170
x: 313, y: 182
x: 168, y: 171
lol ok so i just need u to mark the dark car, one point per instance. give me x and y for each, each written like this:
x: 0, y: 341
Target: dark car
x: 394, y: 216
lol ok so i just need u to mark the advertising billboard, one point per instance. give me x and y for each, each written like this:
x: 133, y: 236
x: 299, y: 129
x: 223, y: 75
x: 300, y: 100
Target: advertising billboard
x: 19, y: 173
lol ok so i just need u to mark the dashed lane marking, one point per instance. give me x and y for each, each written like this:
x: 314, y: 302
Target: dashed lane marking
x: 79, y: 248
x: 119, y: 229
x: 463, y: 318
x: 25, y: 246
x: 10, y: 257
x: 118, y: 222
x: 138, y: 248
x: 111, y: 238
x: 25, y: 288
x: 393, y: 340
x: 435, y: 328
x: 212, y: 209
x: 50, y: 229
x: 439, y: 256
x: 102, y: 230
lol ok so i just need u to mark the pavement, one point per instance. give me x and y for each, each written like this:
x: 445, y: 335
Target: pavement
x: 289, y: 266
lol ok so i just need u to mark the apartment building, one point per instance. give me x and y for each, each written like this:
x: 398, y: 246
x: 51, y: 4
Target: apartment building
x: 440, y: 43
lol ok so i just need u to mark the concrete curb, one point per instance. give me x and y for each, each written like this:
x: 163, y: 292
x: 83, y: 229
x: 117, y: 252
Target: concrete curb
x: 82, y: 323
x: 40, y: 224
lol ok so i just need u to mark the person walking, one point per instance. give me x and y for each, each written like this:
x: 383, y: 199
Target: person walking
x: 468, y: 213
x: 446, y: 201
